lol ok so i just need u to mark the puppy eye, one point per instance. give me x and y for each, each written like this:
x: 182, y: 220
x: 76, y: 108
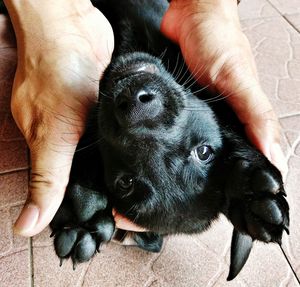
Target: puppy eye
x: 203, y: 153
x: 125, y: 183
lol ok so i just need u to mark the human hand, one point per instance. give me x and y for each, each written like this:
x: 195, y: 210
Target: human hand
x: 63, y: 48
x: 219, y: 55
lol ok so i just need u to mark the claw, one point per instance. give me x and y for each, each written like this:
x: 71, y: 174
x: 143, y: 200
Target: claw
x: 60, y: 262
x: 241, y: 246
x: 74, y: 265
x: 282, y: 192
x: 52, y: 233
x: 98, y: 248
x: 286, y: 228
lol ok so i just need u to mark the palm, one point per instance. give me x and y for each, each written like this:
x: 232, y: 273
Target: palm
x: 219, y: 55
x: 57, y: 78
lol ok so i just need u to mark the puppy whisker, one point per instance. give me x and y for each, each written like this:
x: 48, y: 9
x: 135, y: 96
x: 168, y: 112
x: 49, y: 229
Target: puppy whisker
x: 161, y: 56
x: 177, y: 75
x: 193, y: 77
x: 105, y: 95
x: 89, y: 145
x: 176, y: 63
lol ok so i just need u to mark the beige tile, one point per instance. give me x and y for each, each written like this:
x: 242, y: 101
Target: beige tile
x: 18, y: 242
x: 120, y: 266
x: 8, y: 129
x: 47, y: 271
x: 293, y: 69
x: 276, y: 46
x: 297, y: 149
x: 43, y: 239
x: 294, y: 20
x: 13, y: 248
x: 13, y: 155
x: 251, y: 9
x: 15, y: 269
x: 269, y: 28
x: 292, y: 186
x: 114, y: 266
x: 286, y: 6
x: 6, y: 232
x: 291, y: 123
x: 289, y: 90
x: 13, y: 188
x: 292, y: 137
x: 184, y: 263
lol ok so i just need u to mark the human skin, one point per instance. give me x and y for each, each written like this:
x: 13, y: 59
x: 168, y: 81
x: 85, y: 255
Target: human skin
x: 213, y: 44
x: 219, y: 54
x: 61, y: 55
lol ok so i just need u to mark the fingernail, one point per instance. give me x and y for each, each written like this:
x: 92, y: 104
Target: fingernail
x: 27, y: 219
x: 278, y: 159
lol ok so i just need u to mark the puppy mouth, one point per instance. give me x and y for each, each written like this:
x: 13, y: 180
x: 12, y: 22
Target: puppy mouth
x: 136, y: 68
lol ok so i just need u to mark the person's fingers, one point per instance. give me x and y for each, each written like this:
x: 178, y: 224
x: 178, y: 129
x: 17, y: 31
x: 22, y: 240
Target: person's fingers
x: 124, y: 223
x: 228, y: 67
x: 262, y: 132
x: 49, y: 178
x: 255, y: 111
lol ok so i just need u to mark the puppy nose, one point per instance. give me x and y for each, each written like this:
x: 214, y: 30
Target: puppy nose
x: 135, y: 106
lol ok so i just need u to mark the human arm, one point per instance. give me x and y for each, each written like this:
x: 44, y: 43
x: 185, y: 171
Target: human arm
x: 219, y: 54
x: 214, y: 46
x: 63, y: 48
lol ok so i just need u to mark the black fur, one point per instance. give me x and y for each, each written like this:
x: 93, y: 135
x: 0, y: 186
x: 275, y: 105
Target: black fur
x: 149, y: 126
x: 167, y: 157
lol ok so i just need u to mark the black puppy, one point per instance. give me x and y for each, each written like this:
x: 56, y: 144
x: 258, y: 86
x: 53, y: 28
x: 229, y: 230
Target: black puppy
x: 169, y: 158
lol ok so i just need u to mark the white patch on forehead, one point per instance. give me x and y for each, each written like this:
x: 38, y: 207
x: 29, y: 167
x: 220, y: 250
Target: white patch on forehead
x: 149, y: 68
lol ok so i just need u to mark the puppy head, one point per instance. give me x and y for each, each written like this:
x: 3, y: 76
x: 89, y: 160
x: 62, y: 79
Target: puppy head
x: 159, y: 145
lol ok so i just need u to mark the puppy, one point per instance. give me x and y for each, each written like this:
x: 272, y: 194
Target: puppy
x: 165, y: 155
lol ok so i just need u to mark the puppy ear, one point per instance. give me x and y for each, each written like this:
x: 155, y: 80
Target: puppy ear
x: 241, y: 245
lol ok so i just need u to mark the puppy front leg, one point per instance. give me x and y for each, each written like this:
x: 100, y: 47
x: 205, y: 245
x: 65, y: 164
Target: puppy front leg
x: 82, y: 223
x: 255, y: 200
x: 84, y: 220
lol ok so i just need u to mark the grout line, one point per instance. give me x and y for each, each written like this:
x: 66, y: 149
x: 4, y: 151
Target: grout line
x: 30, y: 239
x: 284, y: 17
x: 31, y: 279
x: 291, y: 24
x: 290, y: 265
x: 10, y: 171
x: 283, y: 253
x: 82, y: 276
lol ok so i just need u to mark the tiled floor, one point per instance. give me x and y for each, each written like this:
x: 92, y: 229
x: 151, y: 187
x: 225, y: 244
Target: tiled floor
x: 273, y: 27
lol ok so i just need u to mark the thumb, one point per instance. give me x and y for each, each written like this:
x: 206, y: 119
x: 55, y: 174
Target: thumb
x: 264, y: 132
x: 261, y: 123
x: 48, y: 181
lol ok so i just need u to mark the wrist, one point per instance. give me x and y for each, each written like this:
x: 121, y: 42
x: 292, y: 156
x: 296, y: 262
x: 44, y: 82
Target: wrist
x: 215, y: 2
x: 20, y: 8
x: 37, y: 19
x: 204, y: 15
x: 225, y: 7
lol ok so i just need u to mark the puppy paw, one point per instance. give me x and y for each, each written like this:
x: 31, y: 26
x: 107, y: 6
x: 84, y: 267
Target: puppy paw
x: 81, y: 224
x: 257, y: 204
